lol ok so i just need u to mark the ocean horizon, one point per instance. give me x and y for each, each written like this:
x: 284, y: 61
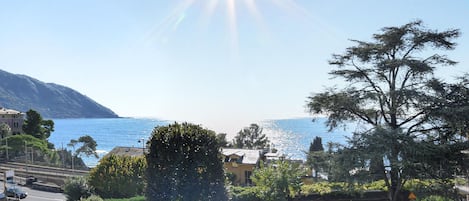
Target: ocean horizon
x: 290, y: 136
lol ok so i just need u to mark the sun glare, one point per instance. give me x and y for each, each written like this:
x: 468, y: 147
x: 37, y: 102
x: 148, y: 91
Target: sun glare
x: 162, y: 31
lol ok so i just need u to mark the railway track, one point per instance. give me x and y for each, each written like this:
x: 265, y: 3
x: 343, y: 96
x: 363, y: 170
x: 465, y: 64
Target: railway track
x: 43, y: 173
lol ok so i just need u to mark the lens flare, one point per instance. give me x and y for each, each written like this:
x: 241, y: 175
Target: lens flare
x: 231, y: 8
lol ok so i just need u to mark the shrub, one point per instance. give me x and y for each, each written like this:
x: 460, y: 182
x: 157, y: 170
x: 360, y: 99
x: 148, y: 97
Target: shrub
x: 76, y: 188
x: 428, y: 187
x: 317, y: 188
x: 92, y: 198
x: 119, y: 176
x: 436, y: 198
x: 245, y: 194
x: 278, y: 181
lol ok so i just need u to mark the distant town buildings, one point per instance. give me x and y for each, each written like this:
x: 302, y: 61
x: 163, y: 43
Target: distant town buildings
x: 13, y: 119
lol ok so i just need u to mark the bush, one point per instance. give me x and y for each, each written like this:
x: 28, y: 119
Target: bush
x: 119, y: 177
x: 278, y: 181
x: 427, y: 188
x: 245, y: 194
x: 436, y: 198
x: 92, y: 198
x: 323, y: 188
x: 138, y: 198
x: 76, y: 188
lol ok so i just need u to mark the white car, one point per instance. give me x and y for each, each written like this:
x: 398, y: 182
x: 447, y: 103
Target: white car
x: 3, y: 197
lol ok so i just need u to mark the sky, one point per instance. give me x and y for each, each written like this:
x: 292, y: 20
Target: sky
x: 220, y: 63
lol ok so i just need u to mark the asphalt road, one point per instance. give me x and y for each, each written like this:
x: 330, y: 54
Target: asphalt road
x: 34, y: 195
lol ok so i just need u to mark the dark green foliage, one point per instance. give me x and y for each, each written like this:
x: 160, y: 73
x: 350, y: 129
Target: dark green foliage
x: 221, y: 138
x: 87, y: 146
x: 393, y: 91
x: 48, y: 128
x: 34, y: 125
x: 138, y: 198
x: 316, y: 145
x: 184, y: 164
x: 118, y: 176
x: 251, y: 138
x: 436, y: 198
x: 245, y: 193
x: 17, y: 143
x: 317, y: 158
x: 76, y: 188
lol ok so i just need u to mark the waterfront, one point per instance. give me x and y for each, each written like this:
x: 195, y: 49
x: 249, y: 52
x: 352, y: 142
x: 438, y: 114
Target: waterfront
x: 290, y: 136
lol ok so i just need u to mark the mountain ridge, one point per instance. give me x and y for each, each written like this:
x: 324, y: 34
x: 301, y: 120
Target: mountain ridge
x: 21, y: 92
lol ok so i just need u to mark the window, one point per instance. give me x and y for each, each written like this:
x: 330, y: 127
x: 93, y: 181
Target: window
x: 247, y: 177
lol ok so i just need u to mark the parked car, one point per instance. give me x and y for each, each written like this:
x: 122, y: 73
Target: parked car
x: 2, y: 196
x: 30, y: 180
x: 16, y: 192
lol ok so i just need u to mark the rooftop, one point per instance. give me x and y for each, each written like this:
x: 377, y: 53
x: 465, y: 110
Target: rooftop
x: 126, y: 151
x: 249, y: 156
x: 8, y: 111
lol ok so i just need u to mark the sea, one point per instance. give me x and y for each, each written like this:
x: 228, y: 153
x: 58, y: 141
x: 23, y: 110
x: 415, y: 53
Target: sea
x: 291, y: 137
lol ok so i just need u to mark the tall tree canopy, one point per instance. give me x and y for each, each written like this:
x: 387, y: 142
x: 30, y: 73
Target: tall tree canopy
x: 392, y: 90
x: 36, y: 126
x: 87, y: 146
x: 184, y: 164
x: 251, y: 138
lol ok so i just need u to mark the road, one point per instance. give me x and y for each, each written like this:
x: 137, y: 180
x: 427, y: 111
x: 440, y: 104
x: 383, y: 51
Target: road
x: 34, y: 195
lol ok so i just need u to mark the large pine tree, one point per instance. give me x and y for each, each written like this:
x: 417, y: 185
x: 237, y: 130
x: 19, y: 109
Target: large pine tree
x: 393, y: 91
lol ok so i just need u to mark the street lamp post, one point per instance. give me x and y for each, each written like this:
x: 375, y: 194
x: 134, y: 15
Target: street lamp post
x: 142, y: 140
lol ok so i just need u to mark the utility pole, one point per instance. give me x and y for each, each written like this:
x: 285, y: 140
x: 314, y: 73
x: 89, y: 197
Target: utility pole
x: 26, y: 156
x: 142, y: 140
x: 63, y: 156
x: 6, y: 147
x: 32, y: 155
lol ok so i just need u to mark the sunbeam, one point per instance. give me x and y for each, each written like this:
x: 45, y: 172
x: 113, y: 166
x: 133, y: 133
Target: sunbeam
x: 232, y: 23
x: 230, y: 8
x: 160, y: 32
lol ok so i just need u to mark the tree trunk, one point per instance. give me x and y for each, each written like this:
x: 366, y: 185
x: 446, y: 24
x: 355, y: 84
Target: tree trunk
x: 394, y: 173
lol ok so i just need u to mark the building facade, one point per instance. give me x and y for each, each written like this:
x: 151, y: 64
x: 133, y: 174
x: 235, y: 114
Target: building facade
x: 241, y: 163
x: 13, y: 119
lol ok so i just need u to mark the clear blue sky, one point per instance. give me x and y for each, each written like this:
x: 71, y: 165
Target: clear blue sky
x: 219, y: 63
